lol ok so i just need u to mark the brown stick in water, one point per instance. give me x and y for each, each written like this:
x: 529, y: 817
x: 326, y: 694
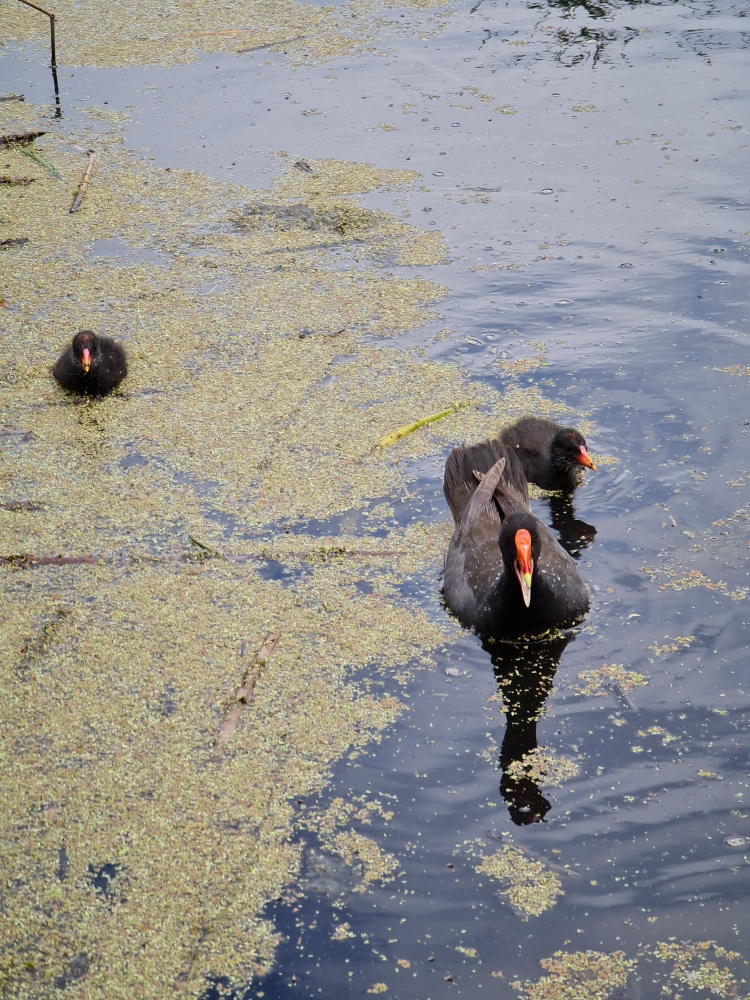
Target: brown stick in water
x: 244, y: 693
x: 25, y: 560
x: 84, y: 182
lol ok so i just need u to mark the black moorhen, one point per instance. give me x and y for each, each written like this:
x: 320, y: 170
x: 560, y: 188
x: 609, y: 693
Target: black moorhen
x: 505, y: 575
x: 551, y: 455
x: 91, y: 366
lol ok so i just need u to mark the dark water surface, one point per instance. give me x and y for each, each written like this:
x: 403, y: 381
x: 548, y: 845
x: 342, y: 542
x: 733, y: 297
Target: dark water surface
x: 614, y: 201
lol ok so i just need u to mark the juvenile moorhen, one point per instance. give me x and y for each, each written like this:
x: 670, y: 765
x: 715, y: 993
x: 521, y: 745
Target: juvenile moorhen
x: 551, y: 455
x: 505, y: 575
x: 91, y: 366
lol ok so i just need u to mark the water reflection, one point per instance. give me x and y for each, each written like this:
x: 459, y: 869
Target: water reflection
x: 575, y: 535
x: 524, y: 674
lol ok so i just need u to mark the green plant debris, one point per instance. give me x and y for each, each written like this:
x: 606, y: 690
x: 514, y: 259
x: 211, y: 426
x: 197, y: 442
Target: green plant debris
x: 580, y: 975
x: 543, y: 767
x: 598, y: 682
x: 342, y: 932
x: 693, y: 969
x: 360, y: 851
x: 415, y: 425
x: 698, y: 967
x: 680, y: 642
x: 150, y: 33
x: 530, y: 886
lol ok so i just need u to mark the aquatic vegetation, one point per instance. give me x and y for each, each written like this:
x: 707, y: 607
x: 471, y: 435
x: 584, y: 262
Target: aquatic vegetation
x: 598, y: 682
x: 543, y: 767
x: 166, y: 35
x: 591, y: 975
x: 580, y: 975
x: 531, y: 887
x: 253, y: 398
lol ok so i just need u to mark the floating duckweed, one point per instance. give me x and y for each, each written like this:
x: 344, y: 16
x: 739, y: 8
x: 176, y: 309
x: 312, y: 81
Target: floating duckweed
x: 598, y: 682
x: 151, y: 33
x: 529, y: 885
x: 252, y: 401
x: 543, y: 767
x: 594, y: 975
x: 360, y: 851
x: 693, y: 969
x: 342, y: 932
x: 580, y: 975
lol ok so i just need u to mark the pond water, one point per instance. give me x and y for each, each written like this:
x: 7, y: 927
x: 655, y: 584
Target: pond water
x: 632, y: 118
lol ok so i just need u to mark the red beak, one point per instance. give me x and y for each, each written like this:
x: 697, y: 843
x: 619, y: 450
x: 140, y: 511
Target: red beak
x: 583, y: 458
x: 85, y: 359
x: 524, y: 563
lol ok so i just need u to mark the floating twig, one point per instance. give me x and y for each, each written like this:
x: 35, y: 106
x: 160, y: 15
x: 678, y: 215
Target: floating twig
x: 84, y: 182
x: 223, y: 31
x: 244, y: 693
x: 24, y: 560
x: 270, y: 45
x: 389, y: 439
x: 20, y: 137
x: 312, y: 555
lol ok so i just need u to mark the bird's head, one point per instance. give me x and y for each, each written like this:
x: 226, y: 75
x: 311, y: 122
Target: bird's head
x: 569, y: 449
x: 85, y: 347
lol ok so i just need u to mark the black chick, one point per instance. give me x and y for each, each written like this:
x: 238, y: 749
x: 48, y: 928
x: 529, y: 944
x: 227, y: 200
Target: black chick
x: 551, y: 455
x: 91, y: 366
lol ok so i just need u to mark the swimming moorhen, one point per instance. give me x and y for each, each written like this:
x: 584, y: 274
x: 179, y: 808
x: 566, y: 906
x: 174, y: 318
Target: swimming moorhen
x: 91, y: 366
x: 505, y: 575
x: 551, y: 455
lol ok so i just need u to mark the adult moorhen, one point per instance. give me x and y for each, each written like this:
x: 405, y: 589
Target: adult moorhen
x: 551, y: 455
x: 91, y: 366
x: 505, y: 575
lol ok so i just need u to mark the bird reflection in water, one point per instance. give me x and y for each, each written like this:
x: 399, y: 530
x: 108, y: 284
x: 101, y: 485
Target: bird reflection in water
x: 524, y: 673
x: 575, y: 535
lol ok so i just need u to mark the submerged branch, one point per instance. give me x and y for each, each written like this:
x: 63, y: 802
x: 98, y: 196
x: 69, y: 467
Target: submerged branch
x: 244, y: 693
x: 84, y: 182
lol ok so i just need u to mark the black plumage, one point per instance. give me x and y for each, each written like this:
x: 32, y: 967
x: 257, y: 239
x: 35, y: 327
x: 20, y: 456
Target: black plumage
x: 552, y: 456
x: 91, y: 365
x: 505, y: 575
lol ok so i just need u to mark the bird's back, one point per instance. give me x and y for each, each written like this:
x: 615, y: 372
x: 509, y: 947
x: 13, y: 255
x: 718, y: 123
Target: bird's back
x: 112, y: 367
x: 460, y: 481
